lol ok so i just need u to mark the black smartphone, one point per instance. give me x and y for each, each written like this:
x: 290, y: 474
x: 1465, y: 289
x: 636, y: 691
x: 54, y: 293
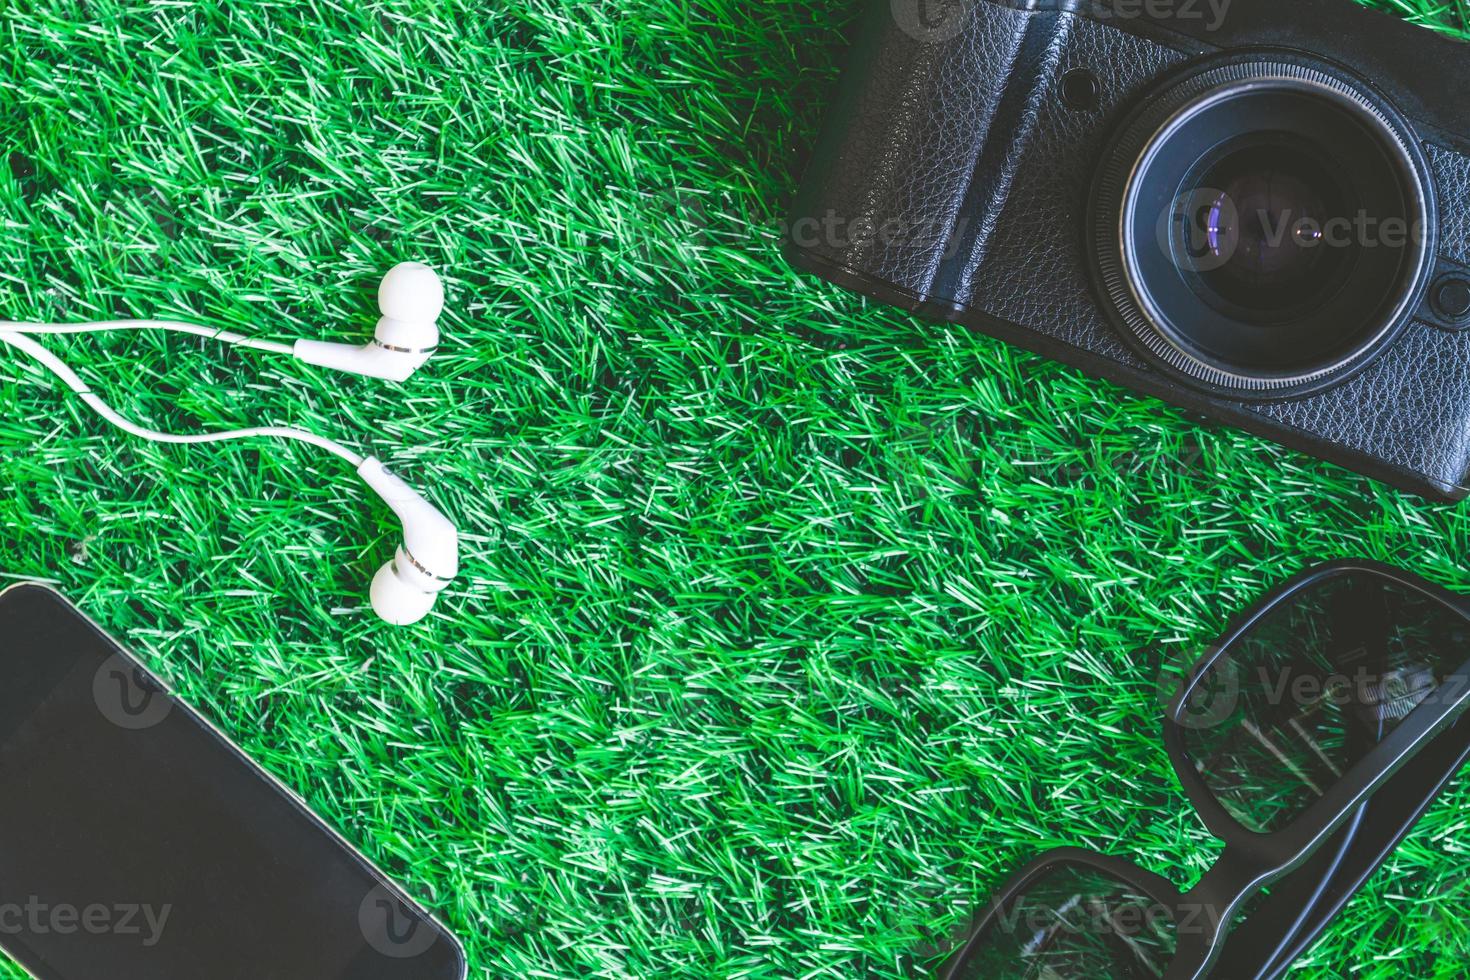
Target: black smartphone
x: 138, y: 843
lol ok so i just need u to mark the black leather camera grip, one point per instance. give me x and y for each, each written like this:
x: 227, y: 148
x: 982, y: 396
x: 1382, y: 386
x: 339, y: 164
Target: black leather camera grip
x: 887, y: 188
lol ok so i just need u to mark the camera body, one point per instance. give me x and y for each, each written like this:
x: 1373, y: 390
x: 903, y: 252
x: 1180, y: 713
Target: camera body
x: 1049, y: 172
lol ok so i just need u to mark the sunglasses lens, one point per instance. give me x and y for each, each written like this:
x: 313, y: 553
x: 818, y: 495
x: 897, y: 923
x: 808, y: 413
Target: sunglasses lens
x: 1072, y: 924
x: 1312, y: 688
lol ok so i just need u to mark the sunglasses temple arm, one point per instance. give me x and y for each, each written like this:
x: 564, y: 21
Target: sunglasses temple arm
x: 1306, y: 901
x: 1285, y: 923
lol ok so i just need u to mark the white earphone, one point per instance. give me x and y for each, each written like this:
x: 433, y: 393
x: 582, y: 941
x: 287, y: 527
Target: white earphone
x: 411, y: 299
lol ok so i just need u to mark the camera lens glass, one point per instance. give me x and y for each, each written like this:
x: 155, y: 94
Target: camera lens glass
x: 1263, y: 229
x: 1258, y: 240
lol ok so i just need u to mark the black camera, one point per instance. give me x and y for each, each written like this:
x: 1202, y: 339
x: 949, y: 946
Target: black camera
x: 1256, y: 209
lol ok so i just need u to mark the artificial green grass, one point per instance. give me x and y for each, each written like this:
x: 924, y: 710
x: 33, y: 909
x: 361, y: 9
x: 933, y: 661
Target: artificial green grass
x: 789, y: 624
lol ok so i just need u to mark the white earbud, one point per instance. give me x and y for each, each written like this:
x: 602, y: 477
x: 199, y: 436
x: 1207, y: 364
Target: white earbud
x: 411, y: 298
x: 405, y: 589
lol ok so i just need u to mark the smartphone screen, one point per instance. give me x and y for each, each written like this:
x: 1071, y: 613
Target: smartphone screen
x: 138, y: 843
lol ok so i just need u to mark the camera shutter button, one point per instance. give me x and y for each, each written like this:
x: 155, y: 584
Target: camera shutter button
x: 1452, y: 298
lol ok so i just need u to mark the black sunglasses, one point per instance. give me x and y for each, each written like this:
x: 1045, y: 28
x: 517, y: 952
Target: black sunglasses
x: 1310, y: 740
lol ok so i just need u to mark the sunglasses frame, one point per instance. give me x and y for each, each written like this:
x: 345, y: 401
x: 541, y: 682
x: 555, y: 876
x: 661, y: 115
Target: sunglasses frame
x: 1252, y: 860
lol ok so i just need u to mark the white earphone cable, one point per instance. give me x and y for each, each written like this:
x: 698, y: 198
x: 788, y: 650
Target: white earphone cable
x: 74, y: 381
x: 173, y: 326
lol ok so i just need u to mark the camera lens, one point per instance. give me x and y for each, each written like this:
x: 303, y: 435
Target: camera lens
x: 1263, y: 228
x: 1260, y: 243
